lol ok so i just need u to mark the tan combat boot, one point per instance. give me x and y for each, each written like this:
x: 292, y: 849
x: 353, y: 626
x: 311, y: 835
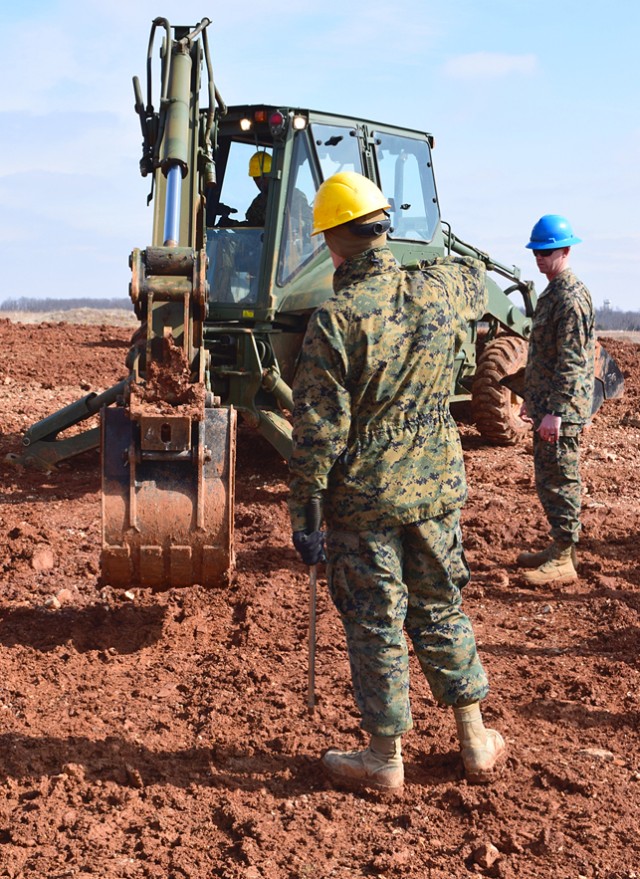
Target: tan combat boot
x: 535, y: 559
x: 483, y: 751
x: 558, y: 568
x: 379, y: 766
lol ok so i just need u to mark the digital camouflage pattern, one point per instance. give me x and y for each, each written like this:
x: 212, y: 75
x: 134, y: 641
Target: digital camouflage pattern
x: 560, y: 363
x: 409, y: 576
x: 298, y: 213
x: 372, y: 431
x: 559, y: 379
x: 558, y: 484
x: 373, y: 435
x: 257, y: 210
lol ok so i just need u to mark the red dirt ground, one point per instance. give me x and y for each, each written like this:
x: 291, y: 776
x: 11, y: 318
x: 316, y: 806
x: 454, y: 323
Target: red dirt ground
x: 165, y: 736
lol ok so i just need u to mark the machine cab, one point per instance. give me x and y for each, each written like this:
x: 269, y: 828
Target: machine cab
x: 263, y: 259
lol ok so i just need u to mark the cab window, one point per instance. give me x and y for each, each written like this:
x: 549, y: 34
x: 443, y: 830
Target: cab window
x: 337, y: 149
x: 230, y: 202
x: 235, y: 226
x: 406, y: 179
x: 297, y: 245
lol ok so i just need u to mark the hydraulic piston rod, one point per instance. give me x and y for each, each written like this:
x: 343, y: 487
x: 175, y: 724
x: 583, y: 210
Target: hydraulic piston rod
x: 172, y: 211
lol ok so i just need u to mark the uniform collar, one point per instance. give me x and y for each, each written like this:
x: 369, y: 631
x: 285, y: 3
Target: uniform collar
x: 564, y: 273
x: 371, y: 262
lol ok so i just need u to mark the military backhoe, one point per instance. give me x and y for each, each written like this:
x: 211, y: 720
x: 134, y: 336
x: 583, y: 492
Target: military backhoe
x: 223, y: 307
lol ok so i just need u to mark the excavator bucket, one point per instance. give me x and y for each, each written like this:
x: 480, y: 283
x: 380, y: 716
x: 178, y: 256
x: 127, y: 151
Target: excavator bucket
x: 608, y: 384
x: 609, y: 380
x: 168, y: 451
x: 168, y: 516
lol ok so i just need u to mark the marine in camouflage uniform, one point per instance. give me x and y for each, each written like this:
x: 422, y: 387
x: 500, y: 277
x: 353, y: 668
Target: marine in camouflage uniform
x: 559, y: 381
x: 373, y: 436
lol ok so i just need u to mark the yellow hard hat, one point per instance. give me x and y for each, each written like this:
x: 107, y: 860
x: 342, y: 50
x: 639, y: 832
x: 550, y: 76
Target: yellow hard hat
x: 344, y: 197
x: 259, y: 164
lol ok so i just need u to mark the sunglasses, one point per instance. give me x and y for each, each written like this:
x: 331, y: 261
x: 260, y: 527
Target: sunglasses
x: 545, y: 252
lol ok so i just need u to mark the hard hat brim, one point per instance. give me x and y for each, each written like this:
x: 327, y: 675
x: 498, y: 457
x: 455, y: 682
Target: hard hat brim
x: 553, y: 245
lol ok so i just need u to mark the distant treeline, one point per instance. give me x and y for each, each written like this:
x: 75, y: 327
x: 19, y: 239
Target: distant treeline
x: 606, y: 318
x: 25, y: 303
x: 614, y: 319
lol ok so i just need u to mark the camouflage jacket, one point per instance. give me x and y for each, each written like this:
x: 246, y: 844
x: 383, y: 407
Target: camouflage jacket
x: 560, y: 365
x: 372, y: 430
x: 257, y: 210
x: 298, y: 215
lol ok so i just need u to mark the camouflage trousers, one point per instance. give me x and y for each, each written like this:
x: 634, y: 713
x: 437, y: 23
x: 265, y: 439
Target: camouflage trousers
x: 557, y: 470
x: 405, y: 578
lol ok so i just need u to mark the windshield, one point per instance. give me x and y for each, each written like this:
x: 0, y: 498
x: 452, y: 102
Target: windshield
x: 243, y: 175
x: 297, y: 244
x: 236, y: 211
x: 234, y: 262
x: 406, y: 177
x: 337, y: 149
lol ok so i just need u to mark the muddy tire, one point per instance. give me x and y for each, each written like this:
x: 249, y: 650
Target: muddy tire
x: 496, y: 409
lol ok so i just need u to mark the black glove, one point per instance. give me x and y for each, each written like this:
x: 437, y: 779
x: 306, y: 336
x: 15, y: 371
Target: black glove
x: 310, y: 546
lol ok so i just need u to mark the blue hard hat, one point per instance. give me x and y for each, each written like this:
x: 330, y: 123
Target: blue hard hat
x: 552, y: 231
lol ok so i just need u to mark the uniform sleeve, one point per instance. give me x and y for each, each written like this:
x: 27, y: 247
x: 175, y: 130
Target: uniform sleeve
x: 572, y: 366
x: 464, y: 283
x: 473, y: 295
x: 321, y: 412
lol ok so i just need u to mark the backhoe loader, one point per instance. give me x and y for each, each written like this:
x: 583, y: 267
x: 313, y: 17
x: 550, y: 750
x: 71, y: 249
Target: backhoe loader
x: 224, y: 304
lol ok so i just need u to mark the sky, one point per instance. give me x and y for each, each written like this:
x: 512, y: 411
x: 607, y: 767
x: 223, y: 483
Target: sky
x: 533, y: 106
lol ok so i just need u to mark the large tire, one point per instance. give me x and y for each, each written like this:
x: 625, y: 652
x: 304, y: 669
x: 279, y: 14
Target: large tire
x: 496, y: 409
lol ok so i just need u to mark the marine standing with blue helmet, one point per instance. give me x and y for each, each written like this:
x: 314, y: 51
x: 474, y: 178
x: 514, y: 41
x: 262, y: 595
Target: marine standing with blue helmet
x: 558, y: 397
x: 374, y: 438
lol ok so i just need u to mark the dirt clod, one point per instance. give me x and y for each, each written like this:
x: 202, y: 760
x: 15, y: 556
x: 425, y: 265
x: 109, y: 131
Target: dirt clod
x: 486, y: 855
